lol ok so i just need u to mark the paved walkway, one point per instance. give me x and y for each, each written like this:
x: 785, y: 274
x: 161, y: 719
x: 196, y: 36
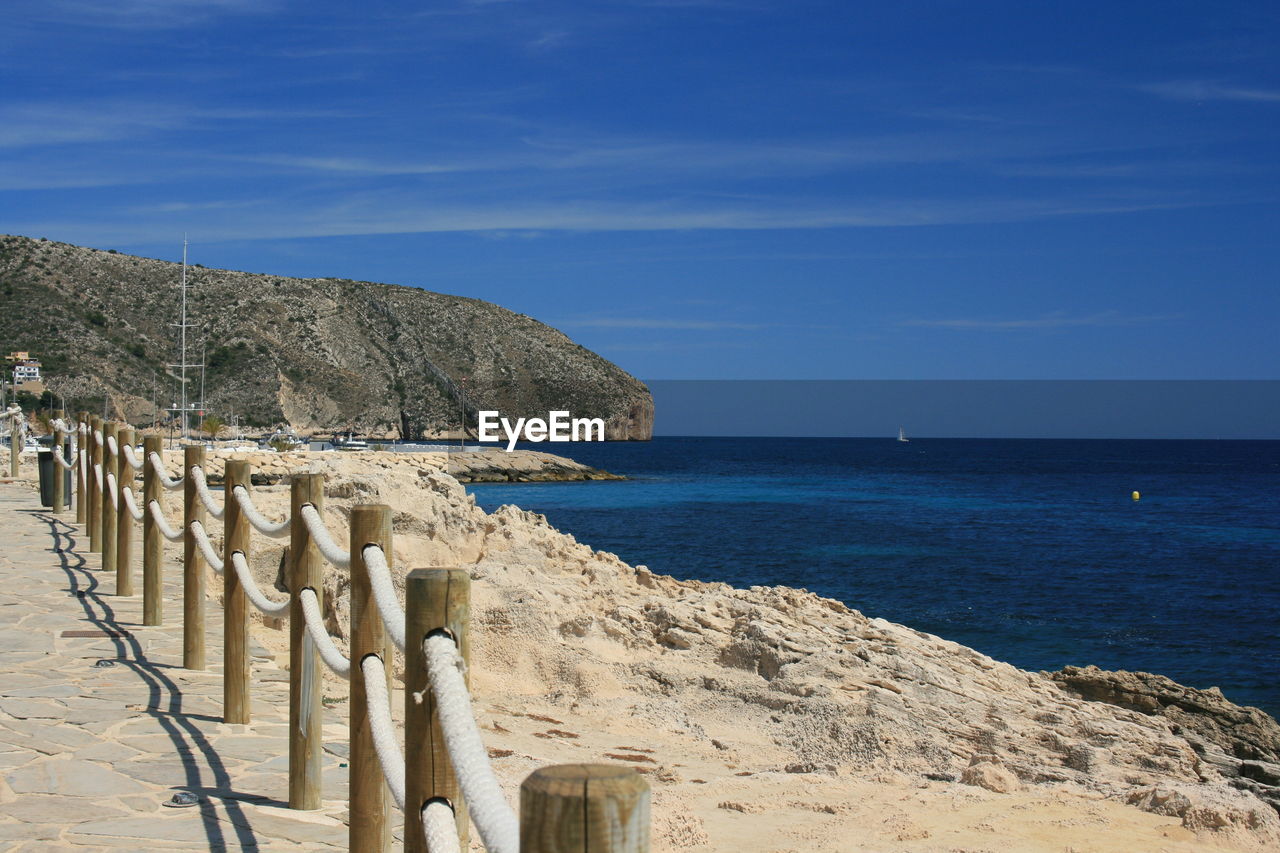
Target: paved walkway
x: 100, y: 724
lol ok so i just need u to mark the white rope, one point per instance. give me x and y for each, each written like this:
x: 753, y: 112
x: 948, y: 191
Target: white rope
x: 260, y: 601
x: 490, y: 812
x: 59, y: 423
x: 165, y: 530
x: 83, y: 429
x: 112, y: 446
x: 114, y: 491
x: 97, y: 436
x: 329, y: 653
x: 440, y: 827
x: 158, y: 464
x: 64, y: 464
x: 97, y: 474
x: 206, y: 547
x: 206, y: 497
x: 134, y: 462
x: 131, y: 505
x: 375, y: 562
x: 381, y: 727
x: 320, y: 536
x: 274, y: 529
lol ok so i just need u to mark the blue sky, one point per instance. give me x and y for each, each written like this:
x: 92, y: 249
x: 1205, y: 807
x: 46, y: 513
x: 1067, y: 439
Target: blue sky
x: 695, y: 188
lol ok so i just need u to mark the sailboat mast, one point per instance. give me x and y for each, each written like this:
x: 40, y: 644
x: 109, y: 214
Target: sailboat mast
x: 184, y: 336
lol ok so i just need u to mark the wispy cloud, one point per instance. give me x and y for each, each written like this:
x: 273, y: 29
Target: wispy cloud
x: 668, y: 345
x: 141, y: 14
x: 656, y: 158
x: 363, y: 165
x: 379, y: 213
x: 660, y: 323
x: 1056, y: 320
x: 185, y: 207
x: 1204, y: 90
x: 39, y: 124
x: 53, y: 124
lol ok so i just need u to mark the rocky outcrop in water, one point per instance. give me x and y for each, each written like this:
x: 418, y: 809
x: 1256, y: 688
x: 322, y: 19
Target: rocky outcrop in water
x: 520, y: 466
x: 319, y: 354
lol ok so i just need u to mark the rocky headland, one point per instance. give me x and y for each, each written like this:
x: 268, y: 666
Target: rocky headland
x: 320, y: 354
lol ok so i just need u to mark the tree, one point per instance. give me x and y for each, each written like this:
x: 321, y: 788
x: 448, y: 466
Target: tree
x: 212, y: 425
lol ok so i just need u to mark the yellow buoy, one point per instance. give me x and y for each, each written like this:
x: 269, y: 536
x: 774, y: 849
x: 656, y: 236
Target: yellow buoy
x: 1137, y: 496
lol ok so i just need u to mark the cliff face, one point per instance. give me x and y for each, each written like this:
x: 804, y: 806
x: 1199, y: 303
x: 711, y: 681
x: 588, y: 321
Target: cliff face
x: 319, y: 354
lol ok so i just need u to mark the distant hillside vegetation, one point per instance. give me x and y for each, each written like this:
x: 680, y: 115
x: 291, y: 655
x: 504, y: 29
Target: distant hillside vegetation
x: 319, y: 354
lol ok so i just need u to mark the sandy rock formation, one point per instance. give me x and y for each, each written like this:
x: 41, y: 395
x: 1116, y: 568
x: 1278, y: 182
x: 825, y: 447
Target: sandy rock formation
x: 1240, y: 743
x: 773, y: 683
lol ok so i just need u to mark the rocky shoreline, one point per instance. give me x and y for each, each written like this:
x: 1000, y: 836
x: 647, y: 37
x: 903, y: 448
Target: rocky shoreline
x: 520, y: 466
x: 480, y: 466
x: 1241, y: 743
x: 771, y: 719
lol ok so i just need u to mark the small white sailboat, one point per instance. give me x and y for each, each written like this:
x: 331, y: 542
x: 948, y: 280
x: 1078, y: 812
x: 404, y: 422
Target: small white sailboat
x: 902, y: 434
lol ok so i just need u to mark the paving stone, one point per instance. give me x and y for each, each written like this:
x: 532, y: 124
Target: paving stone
x: 52, y: 808
x: 30, y: 831
x: 107, y: 751
x: 17, y: 757
x: 186, y: 825
x: 27, y: 709
x: 17, y: 656
x: 251, y: 748
x: 302, y: 827
x: 45, y: 735
x: 168, y: 771
x: 69, y: 776
x: 92, y: 753
x: 44, y: 690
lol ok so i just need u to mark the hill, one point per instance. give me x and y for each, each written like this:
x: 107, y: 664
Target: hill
x: 319, y: 354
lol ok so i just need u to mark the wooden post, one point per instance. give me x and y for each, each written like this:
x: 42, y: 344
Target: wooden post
x: 435, y: 599
x: 59, y: 475
x: 15, y: 443
x: 152, y: 541
x: 95, y: 495
x: 235, y: 605
x: 124, y: 519
x: 82, y: 446
x: 306, y: 688
x: 193, y: 564
x: 108, y: 499
x: 584, y: 808
x: 369, y: 804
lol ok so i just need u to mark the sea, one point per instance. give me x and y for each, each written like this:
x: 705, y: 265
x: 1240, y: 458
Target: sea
x: 1032, y: 551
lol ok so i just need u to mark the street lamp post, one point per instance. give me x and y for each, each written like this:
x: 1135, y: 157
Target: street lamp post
x: 462, y: 404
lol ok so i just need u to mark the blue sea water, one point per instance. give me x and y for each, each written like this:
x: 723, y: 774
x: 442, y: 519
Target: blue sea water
x: 1031, y: 551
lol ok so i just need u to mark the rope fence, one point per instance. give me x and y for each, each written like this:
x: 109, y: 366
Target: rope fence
x: 322, y: 540
x: 443, y: 780
x: 274, y: 529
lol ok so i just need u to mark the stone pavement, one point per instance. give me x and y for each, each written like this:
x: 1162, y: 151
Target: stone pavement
x: 100, y: 725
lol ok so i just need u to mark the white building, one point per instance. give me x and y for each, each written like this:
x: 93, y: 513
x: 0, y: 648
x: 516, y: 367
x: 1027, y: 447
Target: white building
x: 25, y: 368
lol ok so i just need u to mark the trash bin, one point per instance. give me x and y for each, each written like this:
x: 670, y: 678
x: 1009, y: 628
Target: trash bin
x: 49, y: 469
x: 44, y: 458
